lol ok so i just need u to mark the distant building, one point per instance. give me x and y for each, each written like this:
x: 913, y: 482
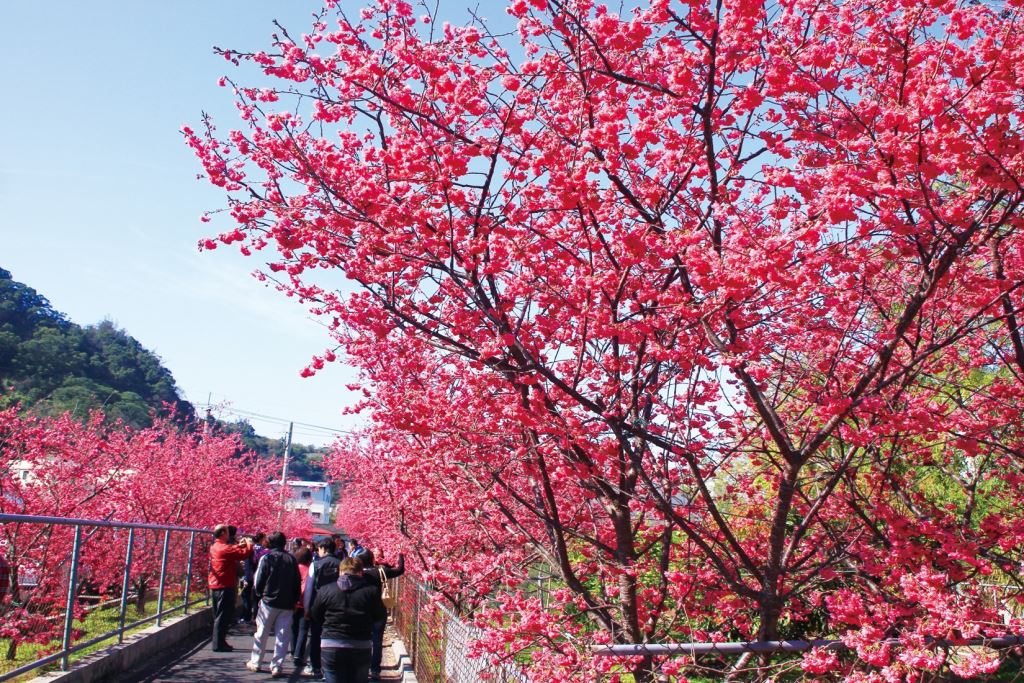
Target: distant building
x: 312, y: 496
x: 22, y: 470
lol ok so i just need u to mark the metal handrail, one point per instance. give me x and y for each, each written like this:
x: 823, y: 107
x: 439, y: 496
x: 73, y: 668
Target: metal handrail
x: 67, y: 648
x: 40, y: 519
x: 766, y: 646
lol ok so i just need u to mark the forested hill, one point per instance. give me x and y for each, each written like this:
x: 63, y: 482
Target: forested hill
x: 306, y: 462
x: 52, y: 365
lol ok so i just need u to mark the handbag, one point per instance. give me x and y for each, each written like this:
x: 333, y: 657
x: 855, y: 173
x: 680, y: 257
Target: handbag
x: 386, y: 595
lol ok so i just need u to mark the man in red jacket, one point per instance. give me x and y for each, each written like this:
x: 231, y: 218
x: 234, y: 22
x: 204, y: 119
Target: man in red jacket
x: 223, y: 582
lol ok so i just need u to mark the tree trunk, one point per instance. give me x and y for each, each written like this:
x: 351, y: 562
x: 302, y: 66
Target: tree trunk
x: 771, y: 612
x: 140, y: 596
x: 12, y: 647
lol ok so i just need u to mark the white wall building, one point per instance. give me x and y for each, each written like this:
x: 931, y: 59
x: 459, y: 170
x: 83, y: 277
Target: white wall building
x: 312, y: 496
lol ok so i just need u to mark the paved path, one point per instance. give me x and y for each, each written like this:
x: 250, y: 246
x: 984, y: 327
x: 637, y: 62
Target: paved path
x: 197, y: 663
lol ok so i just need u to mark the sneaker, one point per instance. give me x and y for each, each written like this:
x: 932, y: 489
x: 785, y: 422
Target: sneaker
x: 252, y: 666
x: 275, y: 672
x: 308, y: 671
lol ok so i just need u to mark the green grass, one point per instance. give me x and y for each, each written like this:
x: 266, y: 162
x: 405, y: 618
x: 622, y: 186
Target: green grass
x: 97, y: 622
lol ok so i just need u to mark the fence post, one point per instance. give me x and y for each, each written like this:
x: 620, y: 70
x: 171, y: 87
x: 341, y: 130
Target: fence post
x: 415, y: 628
x: 126, y: 584
x: 61, y: 656
x: 163, y: 578
x: 69, y: 617
x: 188, y: 569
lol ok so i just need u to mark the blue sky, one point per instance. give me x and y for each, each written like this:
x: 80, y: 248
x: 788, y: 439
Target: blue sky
x: 100, y: 205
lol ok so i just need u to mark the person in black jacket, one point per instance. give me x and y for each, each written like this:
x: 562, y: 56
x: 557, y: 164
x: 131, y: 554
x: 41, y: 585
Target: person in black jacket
x: 277, y: 586
x: 377, y: 573
x: 346, y: 611
x: 323, y: 571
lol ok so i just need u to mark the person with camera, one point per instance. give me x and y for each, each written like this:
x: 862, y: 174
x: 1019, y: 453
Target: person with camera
x: 223, y: 582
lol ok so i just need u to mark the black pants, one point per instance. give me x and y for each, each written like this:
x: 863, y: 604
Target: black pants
x: 223, y: 613
x: 315, y: 630
x: 249, y: 606
x: 377, y: 648
x: 300, y: 635
x: 346, y: 664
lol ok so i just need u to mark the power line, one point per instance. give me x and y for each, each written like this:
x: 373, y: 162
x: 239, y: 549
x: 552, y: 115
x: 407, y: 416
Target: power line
x: 246, y: 413
x: 300, y: 432
x: 281, y: 420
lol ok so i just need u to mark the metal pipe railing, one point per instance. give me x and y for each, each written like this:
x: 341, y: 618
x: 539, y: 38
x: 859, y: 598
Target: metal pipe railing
x: 126, y: 584
x: 163, y: 578
x: 188, y: 569
x: 67, y: 647
x: 69, y: 615
x: 39, y: 519
x: 765, y: 646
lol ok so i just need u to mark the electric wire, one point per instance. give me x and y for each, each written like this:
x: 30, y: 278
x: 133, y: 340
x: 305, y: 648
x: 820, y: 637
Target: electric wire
x: 283, y: 421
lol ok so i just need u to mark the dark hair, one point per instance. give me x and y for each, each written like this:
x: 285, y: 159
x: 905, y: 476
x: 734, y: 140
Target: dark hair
x: 366, y: 557
x: 304, y: 555
x: 260, y: 537
x: 276, y: 540
x: 327, y: 544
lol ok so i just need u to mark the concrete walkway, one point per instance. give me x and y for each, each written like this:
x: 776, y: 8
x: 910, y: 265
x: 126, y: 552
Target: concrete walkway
x: 196, y: 663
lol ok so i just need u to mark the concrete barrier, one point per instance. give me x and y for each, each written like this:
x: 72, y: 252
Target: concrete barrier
x: 404, y: 661
x: 107, y: 664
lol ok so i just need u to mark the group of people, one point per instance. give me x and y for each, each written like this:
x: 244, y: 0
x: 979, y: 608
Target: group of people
x: 325, y: 606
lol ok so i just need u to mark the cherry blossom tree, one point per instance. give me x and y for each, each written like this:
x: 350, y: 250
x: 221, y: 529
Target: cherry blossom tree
x: 711, y: 308
x: 62, y: 467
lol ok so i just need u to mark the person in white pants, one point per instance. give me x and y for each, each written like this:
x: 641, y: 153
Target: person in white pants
x: 277, y: 586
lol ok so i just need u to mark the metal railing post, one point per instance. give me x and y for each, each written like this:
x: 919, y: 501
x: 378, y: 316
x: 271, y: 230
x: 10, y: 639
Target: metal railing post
x: 62, y: 655
x: 188, y: 569
x: 416, y: 631
x: 69, y: 617
x: 163, y: 578
x: 126, y: 584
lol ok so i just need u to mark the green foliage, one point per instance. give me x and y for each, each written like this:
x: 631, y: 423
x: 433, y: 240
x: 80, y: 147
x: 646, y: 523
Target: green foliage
x: 51, y: 365
x: 306, y: 462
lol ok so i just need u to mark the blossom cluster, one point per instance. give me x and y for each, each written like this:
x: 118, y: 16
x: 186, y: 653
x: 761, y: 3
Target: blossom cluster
x: 694, y: 323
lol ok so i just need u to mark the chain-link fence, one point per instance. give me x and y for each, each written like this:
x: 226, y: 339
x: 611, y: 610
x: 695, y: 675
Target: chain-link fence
x: 438, y: 641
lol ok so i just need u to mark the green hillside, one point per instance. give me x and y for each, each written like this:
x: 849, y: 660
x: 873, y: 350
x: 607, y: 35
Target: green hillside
x: 50, y: 366
x: 306, y: 462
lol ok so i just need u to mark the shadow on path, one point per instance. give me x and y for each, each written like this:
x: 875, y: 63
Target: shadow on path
x: 195, y: 662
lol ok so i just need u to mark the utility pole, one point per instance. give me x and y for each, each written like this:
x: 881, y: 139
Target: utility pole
x: 209, y: 414
x: 284, y: 469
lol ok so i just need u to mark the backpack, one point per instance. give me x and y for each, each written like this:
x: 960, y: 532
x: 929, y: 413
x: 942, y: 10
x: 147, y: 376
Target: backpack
x: 327, y: 570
